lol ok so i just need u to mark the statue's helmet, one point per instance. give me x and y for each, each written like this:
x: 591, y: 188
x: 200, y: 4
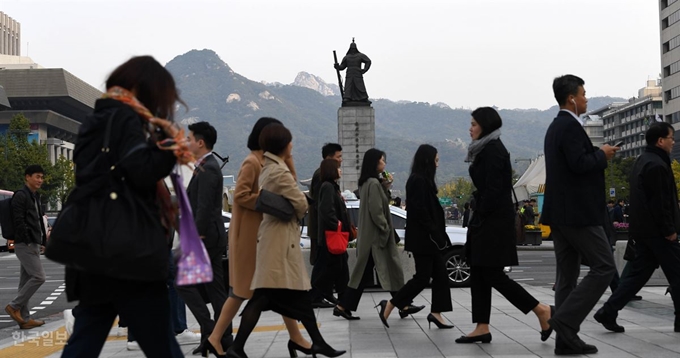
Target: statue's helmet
x: 352, y: 49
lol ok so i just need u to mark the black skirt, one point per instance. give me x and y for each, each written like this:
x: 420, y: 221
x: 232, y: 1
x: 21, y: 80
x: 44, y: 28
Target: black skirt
x: 295, y: 304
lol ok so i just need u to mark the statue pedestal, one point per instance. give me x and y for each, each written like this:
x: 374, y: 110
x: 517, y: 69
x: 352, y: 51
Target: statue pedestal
x: 356, y: 135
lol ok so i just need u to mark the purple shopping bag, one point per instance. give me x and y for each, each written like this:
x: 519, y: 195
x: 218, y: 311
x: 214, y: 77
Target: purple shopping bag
x: 194, y: 264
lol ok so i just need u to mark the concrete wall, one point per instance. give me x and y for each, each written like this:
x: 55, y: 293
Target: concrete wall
x: 356, y: 135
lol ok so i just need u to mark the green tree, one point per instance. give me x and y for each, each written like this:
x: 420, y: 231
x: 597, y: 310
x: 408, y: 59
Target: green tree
x: 676, y: 172
x: 18, y: 153
x: 617, y: 176
x: 61, y: 181
x: 458, y: 190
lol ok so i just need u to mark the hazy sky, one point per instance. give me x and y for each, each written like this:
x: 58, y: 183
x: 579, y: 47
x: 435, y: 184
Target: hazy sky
x: 465, y: 53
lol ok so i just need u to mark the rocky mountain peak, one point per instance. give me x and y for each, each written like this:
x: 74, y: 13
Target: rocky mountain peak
x: 307, y: 80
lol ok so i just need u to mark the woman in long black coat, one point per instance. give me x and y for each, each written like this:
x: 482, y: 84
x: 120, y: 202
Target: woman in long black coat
x: 426, y: 238
x: 331, y: 209
x: 491, y: 232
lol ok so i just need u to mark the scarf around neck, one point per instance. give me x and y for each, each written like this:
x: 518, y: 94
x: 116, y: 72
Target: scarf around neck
x: 478, y: 144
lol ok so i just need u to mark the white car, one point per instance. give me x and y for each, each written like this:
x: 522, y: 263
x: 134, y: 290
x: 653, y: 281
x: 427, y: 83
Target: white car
x: 226, y: 217
x: 457, y: 267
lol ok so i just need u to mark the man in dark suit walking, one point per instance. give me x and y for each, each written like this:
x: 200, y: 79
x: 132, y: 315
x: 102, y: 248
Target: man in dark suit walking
x: 205, y: 196
x: 654, y: 224
x: 573, y: 207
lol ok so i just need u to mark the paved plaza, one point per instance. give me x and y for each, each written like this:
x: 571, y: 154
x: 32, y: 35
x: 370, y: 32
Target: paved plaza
x: 648, y: 323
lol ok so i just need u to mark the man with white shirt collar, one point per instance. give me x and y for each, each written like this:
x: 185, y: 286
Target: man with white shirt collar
x: 573, y: 207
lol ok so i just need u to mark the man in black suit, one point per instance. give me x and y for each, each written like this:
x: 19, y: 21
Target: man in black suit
x: 573, y: 207
x: 205, y: 196
x: 654, y: 224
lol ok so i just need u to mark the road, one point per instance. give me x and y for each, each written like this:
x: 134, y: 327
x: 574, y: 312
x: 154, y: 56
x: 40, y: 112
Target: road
x: 536, y: 268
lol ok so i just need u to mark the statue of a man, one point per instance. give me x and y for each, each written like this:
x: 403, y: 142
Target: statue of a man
x: 355, y: 91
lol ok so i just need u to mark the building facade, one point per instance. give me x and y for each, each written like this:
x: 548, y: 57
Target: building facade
x: 629, y: 121
x: 54, y: 101
x: 669, y: 25
x: 10, y: 36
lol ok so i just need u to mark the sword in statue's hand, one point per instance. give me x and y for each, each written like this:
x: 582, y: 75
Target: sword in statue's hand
x: 342, y: 91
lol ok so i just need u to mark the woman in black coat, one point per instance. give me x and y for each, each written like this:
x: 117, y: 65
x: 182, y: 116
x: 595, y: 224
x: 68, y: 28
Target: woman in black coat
x: 491, y: 231
x: 426, y: 238
x: 331, y: 209
x: 135, y: 289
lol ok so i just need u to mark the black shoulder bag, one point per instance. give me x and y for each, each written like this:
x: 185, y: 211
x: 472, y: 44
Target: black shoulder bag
x: 104, y: 228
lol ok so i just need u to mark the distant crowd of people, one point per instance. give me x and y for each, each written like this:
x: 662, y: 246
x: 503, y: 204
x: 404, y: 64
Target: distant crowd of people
x: 265, y: 261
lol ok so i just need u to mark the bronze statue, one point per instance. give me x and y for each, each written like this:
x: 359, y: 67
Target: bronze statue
x: 354, y: 93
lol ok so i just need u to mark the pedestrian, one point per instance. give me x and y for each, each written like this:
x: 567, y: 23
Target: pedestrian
x: 320, y: 299
x: 654, y: 225
x: 617, y: 212
x: 332, y: 270
x: 29, y: 242
x: 205, y: 197
x: 135, y: 90
x: 426, y: 239
x: 491, y: 238
x: 378, y: 247
x: 245, y: 223
x: 573, y: 203
x: 466, y: 214
x: 280, y: 281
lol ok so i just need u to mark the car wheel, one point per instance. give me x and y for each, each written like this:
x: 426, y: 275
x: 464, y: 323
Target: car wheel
x: 457, y: 268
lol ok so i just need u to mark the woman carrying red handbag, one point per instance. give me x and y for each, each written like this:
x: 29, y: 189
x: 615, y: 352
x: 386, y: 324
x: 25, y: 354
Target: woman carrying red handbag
x: 331, y: 211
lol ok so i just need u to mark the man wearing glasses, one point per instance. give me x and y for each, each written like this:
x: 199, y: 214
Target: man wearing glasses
x: 654, y: 223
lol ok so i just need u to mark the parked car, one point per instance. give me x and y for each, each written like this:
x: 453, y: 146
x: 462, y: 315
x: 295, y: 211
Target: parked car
x: 6, y: 245
x: 456, y: 265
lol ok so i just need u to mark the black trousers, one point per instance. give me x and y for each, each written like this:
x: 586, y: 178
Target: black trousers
x: 574, y: 302
x: 427, y: 266
x: 147, y: 315
x: 651, y: 253
x: 329, y: 271
x: 485, y: 278
x: 215, y: 292
x: 350, y: 300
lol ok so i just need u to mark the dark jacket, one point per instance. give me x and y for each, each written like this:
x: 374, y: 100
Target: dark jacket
x: 491, y: 232
x: 574, y: 183
x: 466, y: 217
x: 331, y: 208
x: 312, y: 216
x: 653, y: 207
x: 142, y: 171
x: 27, y: 219
x: 205, y: 195
x: 425, y: 222
x: 617, y: 213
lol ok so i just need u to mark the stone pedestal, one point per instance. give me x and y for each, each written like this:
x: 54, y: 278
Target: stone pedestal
x: 356, y: 135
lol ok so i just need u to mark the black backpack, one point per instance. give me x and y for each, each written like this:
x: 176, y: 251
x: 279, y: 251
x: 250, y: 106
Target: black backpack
x: 6, y: 222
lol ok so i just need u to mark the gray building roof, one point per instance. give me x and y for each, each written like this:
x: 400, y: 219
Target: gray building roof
x: 49, y: 88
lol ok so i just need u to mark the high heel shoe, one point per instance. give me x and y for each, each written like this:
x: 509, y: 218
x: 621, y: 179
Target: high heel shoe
x: 293, y: 347
x: 232, y: 353
x: 383, y: 306
x: 432, y: 319
x: 326, y: 350
x: 208, y: 347
x: 410, y: 310
x: 484, y: 338
x: 545, y: 334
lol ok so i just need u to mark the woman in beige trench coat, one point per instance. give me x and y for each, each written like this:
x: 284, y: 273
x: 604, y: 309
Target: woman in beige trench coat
x: 280, y: 282
x: 243, y: 242
x: 376, y: 245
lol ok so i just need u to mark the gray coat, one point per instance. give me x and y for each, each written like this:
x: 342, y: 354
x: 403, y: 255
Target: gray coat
x: 376, y: 237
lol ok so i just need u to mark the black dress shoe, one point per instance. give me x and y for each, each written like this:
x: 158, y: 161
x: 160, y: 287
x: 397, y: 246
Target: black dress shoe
x: 545, y: 333
x: 410, y: 310
x: 322, y: 304
x: 608, y: 321
x: 584, y: 349
x: 344, y: 314
x: 567, y: 336
x: 484, y: 338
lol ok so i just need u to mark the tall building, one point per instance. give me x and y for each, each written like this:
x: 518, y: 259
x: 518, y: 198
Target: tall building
x: 629, y: 121
x: 10, y: 36
x: 669, y: 16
